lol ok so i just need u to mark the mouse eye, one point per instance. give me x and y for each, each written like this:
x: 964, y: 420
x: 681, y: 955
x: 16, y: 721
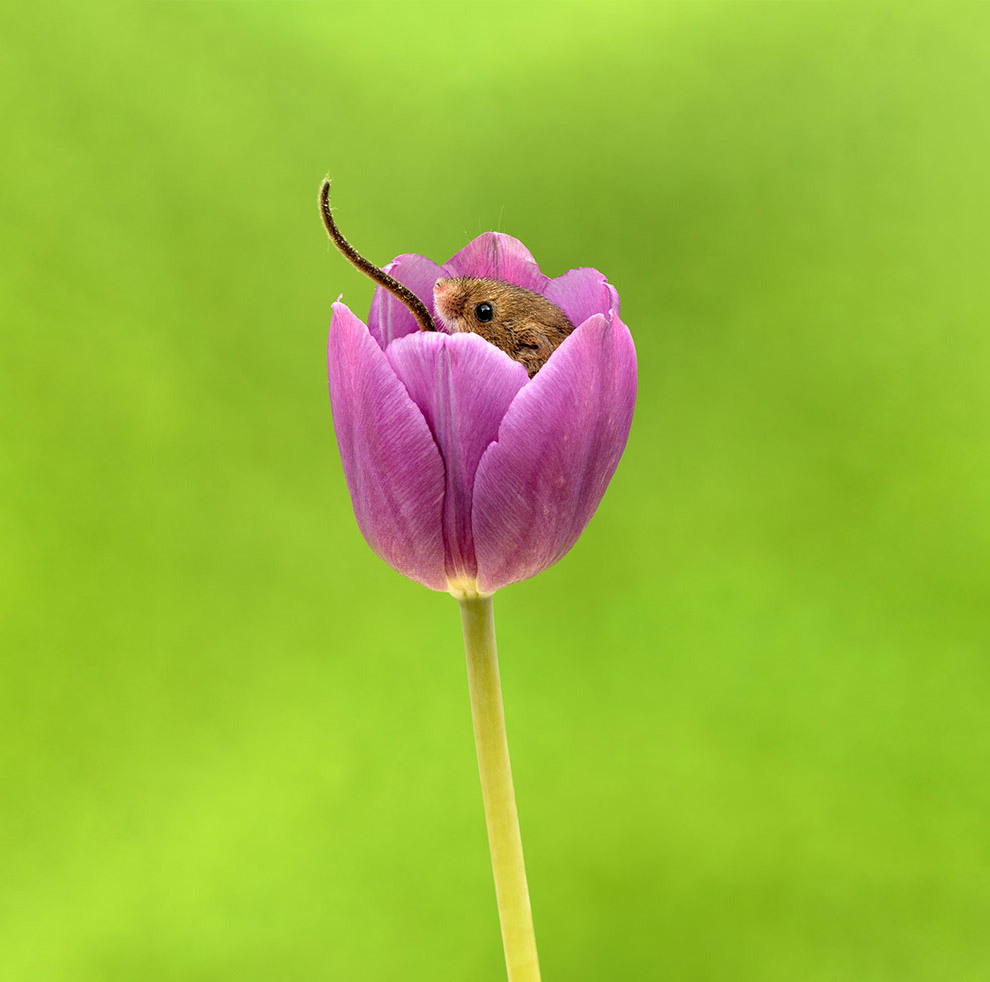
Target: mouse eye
x: 484, y: 312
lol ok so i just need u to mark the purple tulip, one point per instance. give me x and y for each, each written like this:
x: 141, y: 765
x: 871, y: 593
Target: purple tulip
x: 465, y: 474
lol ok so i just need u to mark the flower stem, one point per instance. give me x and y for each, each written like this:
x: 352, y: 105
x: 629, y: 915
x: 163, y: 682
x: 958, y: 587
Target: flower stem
x: 501, y: 817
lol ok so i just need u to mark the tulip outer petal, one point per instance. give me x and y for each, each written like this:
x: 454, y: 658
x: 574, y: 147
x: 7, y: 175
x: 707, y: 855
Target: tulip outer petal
x: 394, y: 471
x: 463, y: 385
x: 538, y: 485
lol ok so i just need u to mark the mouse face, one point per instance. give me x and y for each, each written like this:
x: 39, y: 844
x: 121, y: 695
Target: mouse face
x: 524, y: 324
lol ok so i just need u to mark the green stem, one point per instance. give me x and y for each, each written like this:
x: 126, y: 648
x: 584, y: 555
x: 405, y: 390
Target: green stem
x: 504, y: 842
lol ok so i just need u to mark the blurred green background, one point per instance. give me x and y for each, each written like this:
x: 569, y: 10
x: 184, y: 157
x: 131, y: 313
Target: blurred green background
x: 748, y: 713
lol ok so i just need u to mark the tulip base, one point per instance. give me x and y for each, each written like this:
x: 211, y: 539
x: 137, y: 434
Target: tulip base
x: 504, y: 841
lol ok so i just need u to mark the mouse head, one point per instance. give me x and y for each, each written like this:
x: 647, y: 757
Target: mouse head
x: 525, y: 325
x: 468, y: 304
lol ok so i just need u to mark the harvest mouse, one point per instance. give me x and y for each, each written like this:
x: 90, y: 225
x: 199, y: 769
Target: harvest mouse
x: 524, y: 324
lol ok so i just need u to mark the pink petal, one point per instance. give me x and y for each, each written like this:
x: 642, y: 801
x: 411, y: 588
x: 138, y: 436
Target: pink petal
x: 463, y: 385
x: 559, y: 444
x: 497, y: 256
x: 394, y: 471
x: 582, y: 292
x: 389, y: 318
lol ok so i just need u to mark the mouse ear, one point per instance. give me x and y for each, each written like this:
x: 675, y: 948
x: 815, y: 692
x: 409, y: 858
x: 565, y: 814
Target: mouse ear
x: 534, y: 348
x: 497, y: 256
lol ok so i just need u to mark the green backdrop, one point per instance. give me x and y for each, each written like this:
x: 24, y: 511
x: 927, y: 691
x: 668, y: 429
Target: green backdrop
x: 748, y: 713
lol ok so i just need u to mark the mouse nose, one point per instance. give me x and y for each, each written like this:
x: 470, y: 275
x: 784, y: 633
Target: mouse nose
x: 442, y: 296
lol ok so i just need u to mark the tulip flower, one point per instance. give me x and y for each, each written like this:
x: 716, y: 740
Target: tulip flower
x: 467, y: 475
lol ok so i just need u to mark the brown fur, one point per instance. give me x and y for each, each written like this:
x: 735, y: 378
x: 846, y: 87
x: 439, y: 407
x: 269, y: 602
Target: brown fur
x: 526, y: 326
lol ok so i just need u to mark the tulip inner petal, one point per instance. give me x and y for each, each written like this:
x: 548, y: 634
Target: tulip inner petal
x: 389, y: 318
x: 497, y: 256
x: 582, y: 293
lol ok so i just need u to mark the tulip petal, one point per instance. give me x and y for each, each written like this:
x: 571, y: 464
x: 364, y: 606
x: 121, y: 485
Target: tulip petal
x: 497, y: 256
x: 582, y: 292
x: 393, y: 469
x: 538, y: 485
x: 389, y: 318
x: 463, y: 385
